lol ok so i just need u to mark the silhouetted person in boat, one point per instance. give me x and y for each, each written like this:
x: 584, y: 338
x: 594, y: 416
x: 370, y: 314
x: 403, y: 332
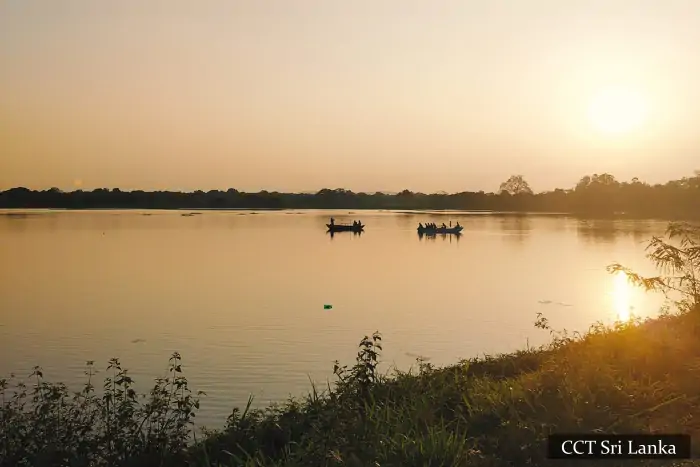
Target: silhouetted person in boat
x: 458, y: 224
x: 420, y: 226
x: 355, y: 223
x: 444, y: 226
x: 332, y: 221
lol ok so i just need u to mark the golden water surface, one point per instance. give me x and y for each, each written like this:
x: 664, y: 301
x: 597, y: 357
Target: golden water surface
x: 241, y: 294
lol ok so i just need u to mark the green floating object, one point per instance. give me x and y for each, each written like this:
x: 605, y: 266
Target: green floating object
x: 327, y: 307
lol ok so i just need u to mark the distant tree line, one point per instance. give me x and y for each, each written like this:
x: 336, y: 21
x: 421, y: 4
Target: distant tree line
x: 595, y: 195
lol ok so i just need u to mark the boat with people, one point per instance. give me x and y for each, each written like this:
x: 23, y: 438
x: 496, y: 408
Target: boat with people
x: 356, y: 227
x: 433, y: 229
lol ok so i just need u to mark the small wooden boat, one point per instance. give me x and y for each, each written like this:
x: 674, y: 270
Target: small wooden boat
x: 440, y: 230
x: 345, y: 228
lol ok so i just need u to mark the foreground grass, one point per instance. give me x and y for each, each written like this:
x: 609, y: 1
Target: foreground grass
x: 641, y: 377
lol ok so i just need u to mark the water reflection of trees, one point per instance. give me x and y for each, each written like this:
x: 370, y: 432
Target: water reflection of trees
x: 16, y: 222
x: 406, y: 220
x: 516, y: 228
x: 609, y: 230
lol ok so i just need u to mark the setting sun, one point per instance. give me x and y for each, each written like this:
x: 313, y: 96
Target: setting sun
x: 618, y: 110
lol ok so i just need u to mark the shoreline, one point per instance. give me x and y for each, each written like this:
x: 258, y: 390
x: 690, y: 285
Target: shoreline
x: 464, y: 213
x: 486, y: 411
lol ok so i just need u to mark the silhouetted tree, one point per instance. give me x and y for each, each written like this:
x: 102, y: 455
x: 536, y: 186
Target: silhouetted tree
x: 515, y: 185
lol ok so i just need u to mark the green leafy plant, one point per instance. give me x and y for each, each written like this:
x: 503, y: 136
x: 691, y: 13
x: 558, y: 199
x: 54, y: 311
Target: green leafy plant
x: 46, y: 425
x: 364, y: 373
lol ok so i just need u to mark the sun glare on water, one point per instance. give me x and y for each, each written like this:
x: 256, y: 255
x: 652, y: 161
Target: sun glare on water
x: 622, y: 294
x: 618, y: 110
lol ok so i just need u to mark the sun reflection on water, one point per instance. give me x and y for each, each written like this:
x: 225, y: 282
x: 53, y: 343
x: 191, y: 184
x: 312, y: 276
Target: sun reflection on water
x: 622, y: 294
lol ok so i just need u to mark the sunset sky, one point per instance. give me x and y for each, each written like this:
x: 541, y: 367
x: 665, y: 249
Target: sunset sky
x: 363, y: 94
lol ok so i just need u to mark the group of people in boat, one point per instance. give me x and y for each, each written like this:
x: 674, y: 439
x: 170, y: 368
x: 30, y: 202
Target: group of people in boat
x: 354, y: 223
x: 428, y: 225
x: 433, y: 226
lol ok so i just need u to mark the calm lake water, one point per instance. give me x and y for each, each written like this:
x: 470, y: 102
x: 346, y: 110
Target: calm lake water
x: 241, y: 294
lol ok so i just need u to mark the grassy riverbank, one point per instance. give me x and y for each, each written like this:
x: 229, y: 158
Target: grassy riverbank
x: 640, y: 377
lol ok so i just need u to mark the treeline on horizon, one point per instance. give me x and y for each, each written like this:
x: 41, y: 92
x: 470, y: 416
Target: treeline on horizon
x: 594, y: 195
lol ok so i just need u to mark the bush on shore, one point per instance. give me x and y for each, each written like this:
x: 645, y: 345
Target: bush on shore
x: 43, y: 424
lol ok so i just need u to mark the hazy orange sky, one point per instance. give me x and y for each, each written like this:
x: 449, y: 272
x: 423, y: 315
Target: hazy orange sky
x: 363, y: 94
